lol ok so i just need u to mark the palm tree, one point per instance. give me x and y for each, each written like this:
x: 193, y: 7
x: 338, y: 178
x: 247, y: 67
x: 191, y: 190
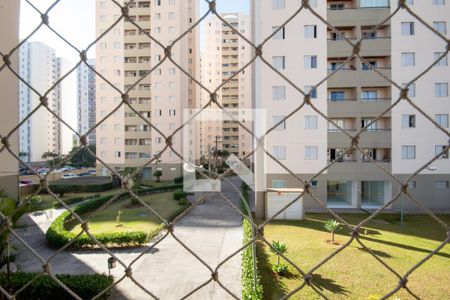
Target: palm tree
x: 281, y: 248
x: 331, y: 225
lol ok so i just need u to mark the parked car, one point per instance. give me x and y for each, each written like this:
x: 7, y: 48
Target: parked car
x: 68, y: 175
x: 84, y: 174
x: 92, y: 172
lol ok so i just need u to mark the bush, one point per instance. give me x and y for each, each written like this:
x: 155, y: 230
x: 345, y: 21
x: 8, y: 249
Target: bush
x: 280, y: 269
x: 249, y: 291
x: 57, y: 235
x: 180, y: 194
x: 183, y: 201
x: 86, y: 286
x: 61, y: 188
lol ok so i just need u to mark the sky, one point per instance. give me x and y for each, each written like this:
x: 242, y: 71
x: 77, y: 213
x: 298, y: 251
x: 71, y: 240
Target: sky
x: 74, y: 20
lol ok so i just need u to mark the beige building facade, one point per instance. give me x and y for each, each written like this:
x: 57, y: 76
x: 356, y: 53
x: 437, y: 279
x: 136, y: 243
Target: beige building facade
x: 226, y: 53
x: 125, y: 56
x: 9, y: 86
x: 401, y: 141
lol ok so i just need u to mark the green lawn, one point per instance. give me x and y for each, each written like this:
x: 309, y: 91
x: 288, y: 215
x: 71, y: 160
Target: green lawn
x: 353, y: 273
x: 134, y: 218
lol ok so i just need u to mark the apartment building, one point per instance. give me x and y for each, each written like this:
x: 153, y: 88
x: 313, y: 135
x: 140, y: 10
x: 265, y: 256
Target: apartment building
x: 352, y: 98
x: 125, y: 56
x: 86, y: 113
x: 9, y: 87
x: 225, y: 54
x: 41, y: 133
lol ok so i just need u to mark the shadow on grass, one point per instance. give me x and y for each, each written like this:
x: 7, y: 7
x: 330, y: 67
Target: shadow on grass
x: 403, y: 246
x: 378, y: 253
x: 273, y: 288
x: 330, y: 285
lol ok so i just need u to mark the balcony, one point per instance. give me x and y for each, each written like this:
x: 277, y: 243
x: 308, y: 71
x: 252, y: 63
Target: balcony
x: 351, y: 78
x: 380, y: 46
x: 354, y: 108
x: 355, y: 16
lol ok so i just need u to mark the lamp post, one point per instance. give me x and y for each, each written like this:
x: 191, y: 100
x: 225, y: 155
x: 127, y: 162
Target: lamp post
x: 111, y: 264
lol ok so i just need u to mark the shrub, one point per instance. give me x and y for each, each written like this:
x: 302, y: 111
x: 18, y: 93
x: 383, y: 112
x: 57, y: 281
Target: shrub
x: 249, y: 290
x: 61, y: 189
x: 183, y: 201
x: 86, y: 286
x: 179, y: 195
x: 280, y: 269
x: 331, y: 225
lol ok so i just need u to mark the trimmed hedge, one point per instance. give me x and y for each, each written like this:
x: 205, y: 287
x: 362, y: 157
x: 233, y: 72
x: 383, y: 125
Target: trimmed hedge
x: 57, y: 235
x: 86, y: 286
x: 82, y: 188
x: 249, y: 292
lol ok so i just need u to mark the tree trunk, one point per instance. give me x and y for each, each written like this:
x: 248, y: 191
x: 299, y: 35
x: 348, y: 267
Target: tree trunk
x: 278, y: 260
x: 332, y: 237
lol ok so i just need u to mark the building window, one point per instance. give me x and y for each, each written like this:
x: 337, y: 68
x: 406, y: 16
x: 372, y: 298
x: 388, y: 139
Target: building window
x: 408, y: 121
x: 374, y: 3
x: 279, y: 152
x: 276, y: 120
x: 409, y: 152
x: 441, y: 89
x: 441, y: 184
x: 310, y: 61
x: 278, y: 93
x: 408, y: 59
x: 440, y: 149
x: 440, y: 27
x: 442, y: 120
x: 411, y: 89
x: 281, y: 34
x: 443, y: 61
x: 369, y: 95
x: 171, y: 2
x: 407, y: 28
x: 279, y: 62
x: 310, y: 122
x: 438, y: 2
x: 337, y: 96
x: 279, y: 184
x: 310, y: 31
x: 278, y: 4
x: 311, y: 152
x: 312, y: 91
x: 117, y: 154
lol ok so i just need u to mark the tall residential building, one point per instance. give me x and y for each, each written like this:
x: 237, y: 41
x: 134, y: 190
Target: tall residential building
x: 86, y: 113
x: 41, y: 133
x: 125, y: 56
x: 9, y: 87
x: 401, y: 141
x: 225, y: 54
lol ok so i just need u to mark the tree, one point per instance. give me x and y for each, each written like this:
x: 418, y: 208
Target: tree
x: 14, y: 210
x: 331, y: 225
x: 82, y: 158
x: 55, y: 158
x: 279, y: 248
x: 158, y: 174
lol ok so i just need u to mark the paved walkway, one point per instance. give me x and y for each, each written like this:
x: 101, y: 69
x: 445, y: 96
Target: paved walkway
x: 212, y: 230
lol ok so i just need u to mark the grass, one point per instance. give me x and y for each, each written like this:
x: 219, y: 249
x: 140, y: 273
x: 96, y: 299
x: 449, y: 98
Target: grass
x: 154, y: 183
x: 134, y: 218
x: 354, y: 273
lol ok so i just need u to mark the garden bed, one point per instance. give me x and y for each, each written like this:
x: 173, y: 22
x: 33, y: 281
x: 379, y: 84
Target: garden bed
x: 136, y: 225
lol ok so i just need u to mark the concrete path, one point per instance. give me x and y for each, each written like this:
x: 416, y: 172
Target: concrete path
x: 212, y: 230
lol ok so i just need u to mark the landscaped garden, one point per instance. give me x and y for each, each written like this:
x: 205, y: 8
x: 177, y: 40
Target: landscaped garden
x: 354, y: 273
x: 132, y: 217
